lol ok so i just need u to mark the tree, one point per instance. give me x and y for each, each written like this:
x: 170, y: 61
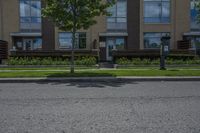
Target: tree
x: 198, y: 12
x: 73, y: 15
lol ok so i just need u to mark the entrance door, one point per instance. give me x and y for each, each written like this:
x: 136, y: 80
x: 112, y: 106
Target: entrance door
x: 27, y: 44
x: 109, y: 47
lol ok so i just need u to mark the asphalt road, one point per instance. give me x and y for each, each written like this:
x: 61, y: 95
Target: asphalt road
x: 100, y: 107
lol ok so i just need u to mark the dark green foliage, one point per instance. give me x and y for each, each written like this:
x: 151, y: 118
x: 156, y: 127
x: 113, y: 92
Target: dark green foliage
x: 198, y: 8
x: 78, y: 14
x: 146, y: 61
x: 85, y: 61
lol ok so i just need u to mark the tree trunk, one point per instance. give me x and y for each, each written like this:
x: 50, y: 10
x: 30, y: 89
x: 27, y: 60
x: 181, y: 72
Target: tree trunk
x: 72, y: 52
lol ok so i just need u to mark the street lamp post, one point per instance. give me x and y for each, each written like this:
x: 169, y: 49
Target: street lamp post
x: 164, y: 51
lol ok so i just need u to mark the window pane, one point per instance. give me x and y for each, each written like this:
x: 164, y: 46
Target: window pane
x: 25, y: 8
x: 152, y: 9
x: 36, y: 20
x: 25, y: 19
x: 194, y: 13
x: 153, y: 40
x: 37, y: 43
x: 30, y: 15
x: 121, y: 20
x: 66, y: 43
x: 157, y: 11
x: 165, y: 9
x: 112, y: 10
x: 35, y: 9
x: 65, y: 40
x: 120, y: 42
x: 118, y: 20
x: 121, y: 9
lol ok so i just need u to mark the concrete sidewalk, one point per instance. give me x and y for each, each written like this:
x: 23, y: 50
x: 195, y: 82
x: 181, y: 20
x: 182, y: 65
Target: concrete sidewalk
x: 99, y: 79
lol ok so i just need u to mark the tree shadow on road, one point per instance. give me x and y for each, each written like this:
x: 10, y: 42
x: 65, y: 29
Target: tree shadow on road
x: 87, y: 79
x: 91, y: 83
x: 80, y: 80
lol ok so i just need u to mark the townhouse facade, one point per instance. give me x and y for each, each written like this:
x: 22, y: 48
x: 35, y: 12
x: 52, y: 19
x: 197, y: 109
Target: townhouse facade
x: 135, y: 27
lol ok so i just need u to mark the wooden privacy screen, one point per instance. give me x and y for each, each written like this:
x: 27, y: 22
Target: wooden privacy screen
x: 184, y: 44
x: 3, y: 50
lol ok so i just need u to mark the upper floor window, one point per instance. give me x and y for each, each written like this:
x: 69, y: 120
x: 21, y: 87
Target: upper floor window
x: 30, y: 15
x: 157, y: 11
x: 118, y: 19
x: 65, y: 40
x: 194, y: 12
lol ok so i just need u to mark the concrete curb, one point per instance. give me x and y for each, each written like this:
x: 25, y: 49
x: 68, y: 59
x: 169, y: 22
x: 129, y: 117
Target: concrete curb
x: 97, y: 79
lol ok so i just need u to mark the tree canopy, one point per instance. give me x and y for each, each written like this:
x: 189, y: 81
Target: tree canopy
x: 198, y: 10
x: 69, y: 14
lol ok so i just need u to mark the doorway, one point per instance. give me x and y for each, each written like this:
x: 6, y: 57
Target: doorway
x: 28, y: 44
x: 110, y: 43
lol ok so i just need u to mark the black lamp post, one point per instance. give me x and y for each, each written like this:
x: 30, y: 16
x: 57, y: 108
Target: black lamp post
x: 164, y: 51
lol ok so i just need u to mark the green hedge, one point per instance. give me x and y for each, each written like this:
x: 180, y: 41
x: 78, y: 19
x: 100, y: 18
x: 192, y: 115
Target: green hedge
x: 169, y: 61
x: 85, y: 61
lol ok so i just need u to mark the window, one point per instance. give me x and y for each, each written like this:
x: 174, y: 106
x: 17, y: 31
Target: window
x: 118, y: 19
x: 156, y: 11
x: 120, y: 43
x: 116, y: 42
x: 37, y: 44
x: 153, y: 40
x: 194, y: 12
x: 30, y: 15
x: 28, y: 43
x: 65, y: 40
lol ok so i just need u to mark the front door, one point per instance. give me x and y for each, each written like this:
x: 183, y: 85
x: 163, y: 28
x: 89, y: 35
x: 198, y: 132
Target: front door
x: 27, y: 44
x: 109, y: 47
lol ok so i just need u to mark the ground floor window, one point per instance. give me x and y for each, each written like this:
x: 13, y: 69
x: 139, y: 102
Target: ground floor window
x: 195, y: 41
x: 153, y: 40
x: 65, y: 40
x: 21, y: 43
x: 117, y: 42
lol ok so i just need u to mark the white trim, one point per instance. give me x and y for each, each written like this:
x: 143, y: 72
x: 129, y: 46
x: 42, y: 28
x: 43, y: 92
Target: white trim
x: 31, y: 34
x: 192, y: 34
x: 113, y: 34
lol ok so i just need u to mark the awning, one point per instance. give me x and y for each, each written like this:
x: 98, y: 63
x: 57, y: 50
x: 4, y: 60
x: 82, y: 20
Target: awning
x: 113, y: 34
x: 20, y: 34
x: 192, y: 34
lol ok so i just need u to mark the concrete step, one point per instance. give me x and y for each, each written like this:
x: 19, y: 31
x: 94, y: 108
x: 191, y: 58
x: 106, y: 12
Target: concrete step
x: 106, y: 65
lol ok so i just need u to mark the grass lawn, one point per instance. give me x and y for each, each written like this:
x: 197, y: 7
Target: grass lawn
x: 96, y: 73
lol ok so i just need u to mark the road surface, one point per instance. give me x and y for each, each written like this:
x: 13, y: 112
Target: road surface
x: 100, y: 107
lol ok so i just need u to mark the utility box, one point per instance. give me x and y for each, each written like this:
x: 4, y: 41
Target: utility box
x: 3, y: 51
x: 165, y: 45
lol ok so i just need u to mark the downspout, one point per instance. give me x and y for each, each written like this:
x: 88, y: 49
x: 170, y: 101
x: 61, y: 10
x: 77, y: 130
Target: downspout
x: 175, y: 45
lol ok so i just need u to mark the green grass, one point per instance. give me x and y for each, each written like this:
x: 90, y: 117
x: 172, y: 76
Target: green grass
x: 97, y: 73
x: 89, y: 68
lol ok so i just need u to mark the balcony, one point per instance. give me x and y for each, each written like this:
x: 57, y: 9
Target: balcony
x: 117, y: 24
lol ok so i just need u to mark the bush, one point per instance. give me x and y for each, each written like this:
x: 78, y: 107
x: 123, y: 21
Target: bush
x: 87, y: 61
x: 146, y: 61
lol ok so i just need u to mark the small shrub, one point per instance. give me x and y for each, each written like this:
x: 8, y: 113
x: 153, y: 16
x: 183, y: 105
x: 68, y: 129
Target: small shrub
x: 88, y: 61
x: 146, y: 61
